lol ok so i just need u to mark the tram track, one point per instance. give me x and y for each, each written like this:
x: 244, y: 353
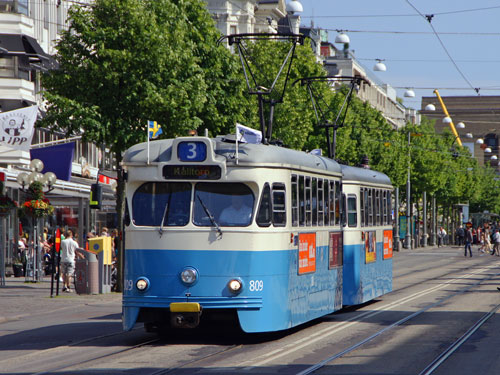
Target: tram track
x: 301, y: 344
x: 96, y: 358
x: 443, y: 356
x: 439, y: 360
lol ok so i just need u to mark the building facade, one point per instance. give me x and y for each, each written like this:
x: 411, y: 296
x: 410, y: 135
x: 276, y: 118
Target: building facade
x: 29, y: 31
x: 479, y: 114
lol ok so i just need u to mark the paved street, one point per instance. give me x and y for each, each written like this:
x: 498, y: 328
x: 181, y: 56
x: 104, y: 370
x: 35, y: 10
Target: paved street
x: 439, y: 296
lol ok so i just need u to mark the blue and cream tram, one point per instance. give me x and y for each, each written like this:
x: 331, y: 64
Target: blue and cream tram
x: 368, y: 240
x: 250, y: 231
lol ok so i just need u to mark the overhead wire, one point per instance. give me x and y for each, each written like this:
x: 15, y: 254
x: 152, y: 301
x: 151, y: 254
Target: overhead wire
x: 428, y: 18
x: 404, y: 15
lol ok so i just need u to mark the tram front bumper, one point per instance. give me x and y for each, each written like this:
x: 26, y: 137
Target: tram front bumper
x: 185, y: 314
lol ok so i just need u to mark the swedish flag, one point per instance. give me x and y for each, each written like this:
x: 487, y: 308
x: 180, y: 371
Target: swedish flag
x: 154, y: 130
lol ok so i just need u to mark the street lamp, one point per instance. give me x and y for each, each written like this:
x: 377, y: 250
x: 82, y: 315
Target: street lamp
x: 409, y: 93
x: 379, y: 66
x: 47, y: 179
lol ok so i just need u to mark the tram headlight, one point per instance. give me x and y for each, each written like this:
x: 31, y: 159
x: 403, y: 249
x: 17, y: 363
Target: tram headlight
x: 189, y: 276
x: 235, y: 285
x: 142, y: 284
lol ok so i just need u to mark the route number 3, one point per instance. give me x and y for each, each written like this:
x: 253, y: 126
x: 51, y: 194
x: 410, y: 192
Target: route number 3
x: 256, y: 285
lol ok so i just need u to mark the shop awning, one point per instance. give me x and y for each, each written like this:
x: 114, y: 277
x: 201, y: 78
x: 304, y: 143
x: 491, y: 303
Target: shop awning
x: 23, y: 45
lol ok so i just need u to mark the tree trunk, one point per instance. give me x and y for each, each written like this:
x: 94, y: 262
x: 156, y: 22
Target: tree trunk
x: 120, y: 200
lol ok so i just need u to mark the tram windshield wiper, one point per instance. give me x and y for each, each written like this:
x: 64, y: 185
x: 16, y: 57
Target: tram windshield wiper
x: 165, y: 215
x: 211, y: 217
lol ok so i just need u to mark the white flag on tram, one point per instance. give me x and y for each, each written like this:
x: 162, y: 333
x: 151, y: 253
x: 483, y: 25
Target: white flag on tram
x: 17, y: 126
x: 248, y: 135
x: 316, y: 151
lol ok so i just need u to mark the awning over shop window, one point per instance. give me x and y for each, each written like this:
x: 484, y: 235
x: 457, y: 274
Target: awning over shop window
x: 23, y: 45
x: 56, y: 159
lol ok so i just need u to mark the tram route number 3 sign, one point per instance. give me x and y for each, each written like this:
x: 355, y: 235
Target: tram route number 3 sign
x: 307, y: 252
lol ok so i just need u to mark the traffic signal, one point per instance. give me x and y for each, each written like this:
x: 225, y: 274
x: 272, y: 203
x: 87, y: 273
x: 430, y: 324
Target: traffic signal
x: 95, y: 196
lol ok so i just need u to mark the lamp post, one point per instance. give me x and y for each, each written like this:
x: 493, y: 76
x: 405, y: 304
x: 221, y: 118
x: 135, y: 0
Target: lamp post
x: 408, y: 200
x: 48, y: 180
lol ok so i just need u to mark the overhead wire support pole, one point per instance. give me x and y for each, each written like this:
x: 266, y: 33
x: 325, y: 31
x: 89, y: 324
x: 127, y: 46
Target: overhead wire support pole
x: 254, y: 88
x: 408, y: 200
x: 321, y: 116
x: 452, y: 126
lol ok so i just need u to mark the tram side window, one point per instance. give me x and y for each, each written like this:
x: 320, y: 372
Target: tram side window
x: 362, y: 205
x: 279, y: 206
x: 389, y: 208
x: 332, y: 203
x: 295, y: 202
x: 302, y: 203
x: 264, y: 213
x: 224, y: 204
x: 314, y: 201
x: 377, y: 206
x: 320, y: 201
x: 338, y: 195
x: 367, y: 207
x: 352, y: 215
x: 327, y: 202
x: 157, y: 202
x: 308, y: 201
x: 370, y: 207
x: 384, y: 207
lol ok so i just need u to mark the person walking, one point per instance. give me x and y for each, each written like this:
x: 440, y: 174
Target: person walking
x: 460, y: 234
x: 441, y: 236
x: 69, y: 251
x: 496, y: 246
x: 468, y: 242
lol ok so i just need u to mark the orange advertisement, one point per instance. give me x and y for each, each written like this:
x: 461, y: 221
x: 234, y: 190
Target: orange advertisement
x: 370, y: 247
x: 387, y: 244
x: 307, y: 252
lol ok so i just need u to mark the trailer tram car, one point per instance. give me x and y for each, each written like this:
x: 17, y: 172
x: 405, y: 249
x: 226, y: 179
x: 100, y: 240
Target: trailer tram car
x: 249, y: 232
x: 368, y: 236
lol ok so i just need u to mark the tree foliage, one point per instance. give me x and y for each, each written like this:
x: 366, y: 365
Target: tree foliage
x: 124, y: 62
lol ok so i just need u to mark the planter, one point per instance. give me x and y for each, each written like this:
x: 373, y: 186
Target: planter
x: 18, y: 270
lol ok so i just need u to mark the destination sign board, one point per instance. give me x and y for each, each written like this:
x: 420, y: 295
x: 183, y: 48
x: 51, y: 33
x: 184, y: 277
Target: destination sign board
x: 191, y: 172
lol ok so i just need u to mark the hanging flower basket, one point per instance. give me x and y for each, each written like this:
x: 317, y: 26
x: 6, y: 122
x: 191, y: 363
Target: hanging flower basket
x: 38, y: 208
x: 6, y: 205
x: 36, y: 205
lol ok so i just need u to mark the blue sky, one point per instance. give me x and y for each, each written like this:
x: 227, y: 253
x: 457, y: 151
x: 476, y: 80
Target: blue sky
x: 413, y: 54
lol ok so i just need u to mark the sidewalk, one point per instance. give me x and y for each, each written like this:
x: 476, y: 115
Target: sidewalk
x: 19, y: 298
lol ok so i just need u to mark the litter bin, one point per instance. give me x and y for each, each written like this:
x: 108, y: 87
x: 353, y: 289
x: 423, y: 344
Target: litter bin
x: 87, y: 274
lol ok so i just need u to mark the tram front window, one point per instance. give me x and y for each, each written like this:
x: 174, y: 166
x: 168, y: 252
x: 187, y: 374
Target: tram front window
x: 155, y: 202
x: 230, y: 205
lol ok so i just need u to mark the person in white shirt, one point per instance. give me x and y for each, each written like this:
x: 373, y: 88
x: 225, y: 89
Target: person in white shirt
x: 69, y: 251
x: 238, y: 214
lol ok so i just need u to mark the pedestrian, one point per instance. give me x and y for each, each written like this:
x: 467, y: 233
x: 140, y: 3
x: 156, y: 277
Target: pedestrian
x: 441, y: 237
x: 460, y: 233
x: 468, y: 241
x: 114, y: 241
x: 496, y: 246
x: 69, y: 251
x: 104, y: 232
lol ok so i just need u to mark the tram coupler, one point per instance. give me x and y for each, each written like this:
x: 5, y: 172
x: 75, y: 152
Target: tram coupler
x: 185, y: 315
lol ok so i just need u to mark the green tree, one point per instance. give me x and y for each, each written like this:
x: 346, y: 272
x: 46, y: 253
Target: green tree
x: 123, y: 62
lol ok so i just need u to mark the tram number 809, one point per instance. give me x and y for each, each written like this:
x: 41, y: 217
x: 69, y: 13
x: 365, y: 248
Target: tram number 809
x: 256, y: 285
